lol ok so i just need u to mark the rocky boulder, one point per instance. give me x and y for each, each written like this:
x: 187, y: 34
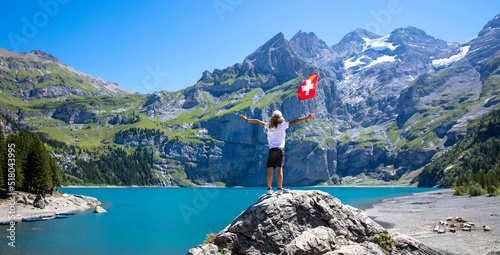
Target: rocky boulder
x: 39, y: 202
x: 99, y: 209
x: 307, y: 222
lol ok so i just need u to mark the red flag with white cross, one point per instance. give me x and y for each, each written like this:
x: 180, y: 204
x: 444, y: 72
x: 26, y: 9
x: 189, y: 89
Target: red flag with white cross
x: 308, y: 88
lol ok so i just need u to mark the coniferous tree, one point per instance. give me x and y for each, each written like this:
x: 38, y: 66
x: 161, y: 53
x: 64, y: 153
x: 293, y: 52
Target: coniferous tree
x: 39, y: 166
x: 20, y: 143
x: 35, y: 169
x: 55, y: 172
x: 473, y: 164
x: 117, y: 168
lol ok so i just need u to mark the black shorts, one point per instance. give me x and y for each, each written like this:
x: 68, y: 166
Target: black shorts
x: 276, y: 157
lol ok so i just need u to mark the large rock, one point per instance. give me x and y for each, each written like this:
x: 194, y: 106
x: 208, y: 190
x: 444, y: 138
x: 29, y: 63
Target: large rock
x: 39, y: 202
x: 308, y: 222
x: 99, y: 209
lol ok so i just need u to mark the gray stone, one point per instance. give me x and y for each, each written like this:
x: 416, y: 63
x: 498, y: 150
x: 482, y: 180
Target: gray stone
x: 306, y: 222
x: 39, y: 202
x: 22, y: 200
x: 205, y: 249
x: 99, y: 209
x: 357, y: 249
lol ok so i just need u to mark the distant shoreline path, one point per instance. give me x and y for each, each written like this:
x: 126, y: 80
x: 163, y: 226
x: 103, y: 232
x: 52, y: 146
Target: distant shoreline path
x: 417, y: 215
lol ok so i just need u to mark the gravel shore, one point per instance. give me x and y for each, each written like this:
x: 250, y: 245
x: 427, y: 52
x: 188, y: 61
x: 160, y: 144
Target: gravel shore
x: 418, y: 214
x: 53, y: 204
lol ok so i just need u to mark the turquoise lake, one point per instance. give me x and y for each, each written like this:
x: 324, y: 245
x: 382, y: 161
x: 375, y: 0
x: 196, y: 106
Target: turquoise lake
x: 157, y: 220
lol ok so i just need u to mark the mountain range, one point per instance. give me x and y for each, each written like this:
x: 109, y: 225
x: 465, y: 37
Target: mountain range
x: 385, y: 107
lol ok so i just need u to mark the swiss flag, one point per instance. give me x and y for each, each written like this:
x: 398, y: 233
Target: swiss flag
x: 308, y: 88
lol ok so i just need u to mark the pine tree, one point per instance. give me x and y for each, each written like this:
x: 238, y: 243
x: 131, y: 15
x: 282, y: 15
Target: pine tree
x: 35, y: 169
x: 39, y: 165
x: 55, y: 172
x: 20, y: 144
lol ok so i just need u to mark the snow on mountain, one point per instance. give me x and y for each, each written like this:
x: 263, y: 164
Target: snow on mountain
x: 382, y: 59
x: 350, y: 63
x: 448, y: 61
x: 378, y: 44
x: 382, y: 108
x: 369, y: 62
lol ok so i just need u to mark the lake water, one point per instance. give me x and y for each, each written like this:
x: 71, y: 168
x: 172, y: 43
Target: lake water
x: 157, y: 220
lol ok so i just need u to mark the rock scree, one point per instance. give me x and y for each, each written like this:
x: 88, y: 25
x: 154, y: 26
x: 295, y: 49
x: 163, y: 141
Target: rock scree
x: 307, y: 222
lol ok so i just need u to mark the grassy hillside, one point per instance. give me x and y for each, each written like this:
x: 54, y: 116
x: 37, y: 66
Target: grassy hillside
x: 472, y: 165
x: 24, y: 74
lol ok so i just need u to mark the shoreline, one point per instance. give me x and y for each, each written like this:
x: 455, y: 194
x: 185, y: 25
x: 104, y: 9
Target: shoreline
x: 52, y: 205
x: 416, y: 215
x: 211, y: 186
x: 110, y: 186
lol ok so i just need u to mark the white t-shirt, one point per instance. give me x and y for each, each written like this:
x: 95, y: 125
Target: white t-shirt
x: 276, y: 136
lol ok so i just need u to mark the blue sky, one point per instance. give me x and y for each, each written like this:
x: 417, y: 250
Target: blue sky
x: 148, y: 46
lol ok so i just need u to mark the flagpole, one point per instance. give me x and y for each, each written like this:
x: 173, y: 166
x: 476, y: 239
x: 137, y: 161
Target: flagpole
x: 314, y: 98
x: 312, y: 110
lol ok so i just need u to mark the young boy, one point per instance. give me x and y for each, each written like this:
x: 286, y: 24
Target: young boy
x: 276, y: 135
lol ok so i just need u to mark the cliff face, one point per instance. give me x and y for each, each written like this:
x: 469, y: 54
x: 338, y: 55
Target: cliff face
x: 385, y: 106
x: 307, y: 222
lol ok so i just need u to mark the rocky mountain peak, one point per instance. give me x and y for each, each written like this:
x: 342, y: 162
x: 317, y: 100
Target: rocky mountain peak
x: 206, y: 77
x: 43, y: 78
x: 275, y: 54
x: 494, y: 23
x: 485, y: 45
x: 409, y: 35
x: 415, y: 45
x: 303, y: 40
x: 358, y: 34
x: 34, y: 55
x: 309, y: 48
x: 353, y: 41
x: 307, y: 222
x: 278, y: 41
x: 43, y: 56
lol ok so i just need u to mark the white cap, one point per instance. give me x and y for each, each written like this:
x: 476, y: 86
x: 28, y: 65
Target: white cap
x: 278, y: 113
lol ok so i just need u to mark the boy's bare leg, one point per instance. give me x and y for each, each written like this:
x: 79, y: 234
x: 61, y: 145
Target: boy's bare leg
x: 280, y: 177
x: 270, y: 171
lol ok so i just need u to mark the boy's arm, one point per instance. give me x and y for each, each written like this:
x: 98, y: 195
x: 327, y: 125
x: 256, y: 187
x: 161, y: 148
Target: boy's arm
x: 308, y: 117
x: 244, y: 118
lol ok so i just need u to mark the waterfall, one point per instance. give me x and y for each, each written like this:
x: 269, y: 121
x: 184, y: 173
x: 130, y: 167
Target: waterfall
x: 163, y: 172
